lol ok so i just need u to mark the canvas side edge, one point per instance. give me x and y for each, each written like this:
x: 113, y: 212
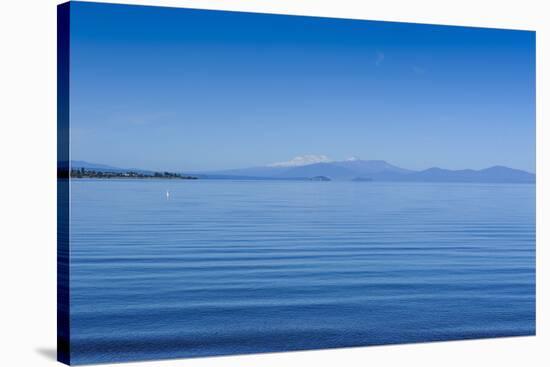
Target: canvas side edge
x: 63, y: 185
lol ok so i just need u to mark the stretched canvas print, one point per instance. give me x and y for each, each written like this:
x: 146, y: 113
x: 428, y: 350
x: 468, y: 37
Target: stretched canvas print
x: 233, y: 183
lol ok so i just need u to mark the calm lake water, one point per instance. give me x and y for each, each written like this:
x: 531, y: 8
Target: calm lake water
x: 224, y: 267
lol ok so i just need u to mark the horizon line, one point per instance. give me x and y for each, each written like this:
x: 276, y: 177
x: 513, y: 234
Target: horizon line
x: 114, y: 166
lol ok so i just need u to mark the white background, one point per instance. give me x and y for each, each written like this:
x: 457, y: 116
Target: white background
x: 28, y: 169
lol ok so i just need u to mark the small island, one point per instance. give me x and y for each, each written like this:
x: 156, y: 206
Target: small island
x: 87, y: 173
x: 319, y: 178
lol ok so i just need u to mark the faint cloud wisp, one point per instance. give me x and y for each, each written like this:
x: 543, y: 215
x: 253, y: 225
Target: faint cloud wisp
x: 379, y: 58
x: 302, y: 160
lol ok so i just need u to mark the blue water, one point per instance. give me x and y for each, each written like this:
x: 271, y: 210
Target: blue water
x: 229, y: 267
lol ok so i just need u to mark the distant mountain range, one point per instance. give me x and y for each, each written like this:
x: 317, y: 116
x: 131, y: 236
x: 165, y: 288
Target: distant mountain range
x: 378, y: 170
x: 351, y: 170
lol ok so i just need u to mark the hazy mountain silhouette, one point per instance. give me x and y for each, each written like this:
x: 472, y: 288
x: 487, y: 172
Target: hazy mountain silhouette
x: 379, y: 170
x: 372, y: 166
x: 494, y: 174
x: 352, y: 170
x: 266, y: 171
x: 331, y: 170
x: 373, y: 169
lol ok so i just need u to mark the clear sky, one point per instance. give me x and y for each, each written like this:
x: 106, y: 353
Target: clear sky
x: 177, y: 89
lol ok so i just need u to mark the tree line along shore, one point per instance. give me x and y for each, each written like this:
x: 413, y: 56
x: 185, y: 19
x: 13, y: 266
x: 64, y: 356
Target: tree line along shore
x: 88, y: 173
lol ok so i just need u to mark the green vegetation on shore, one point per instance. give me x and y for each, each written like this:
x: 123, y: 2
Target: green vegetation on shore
x: 87, y: 173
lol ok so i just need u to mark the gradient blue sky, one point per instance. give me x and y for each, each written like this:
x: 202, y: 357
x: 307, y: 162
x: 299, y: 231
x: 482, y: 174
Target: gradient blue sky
x: 178, y: 89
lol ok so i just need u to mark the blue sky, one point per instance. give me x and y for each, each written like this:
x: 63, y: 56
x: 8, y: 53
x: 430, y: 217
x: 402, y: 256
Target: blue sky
x: 178, y: 89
